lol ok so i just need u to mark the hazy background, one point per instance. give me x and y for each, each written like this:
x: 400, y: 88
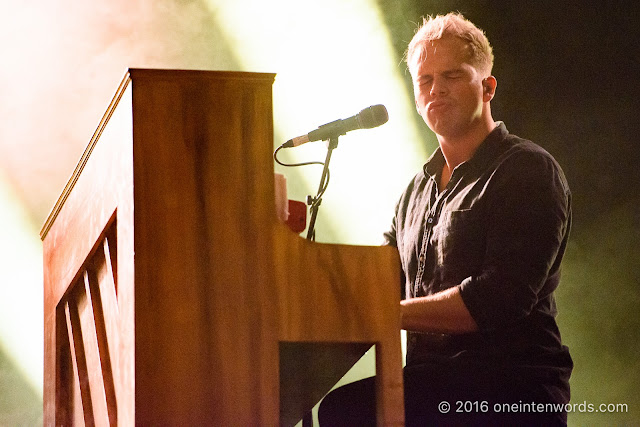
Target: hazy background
x: 567, y: 79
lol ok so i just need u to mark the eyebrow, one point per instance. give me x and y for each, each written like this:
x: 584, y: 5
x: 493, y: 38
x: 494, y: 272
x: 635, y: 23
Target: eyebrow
x: 446, y: 73
x: 452, y: 71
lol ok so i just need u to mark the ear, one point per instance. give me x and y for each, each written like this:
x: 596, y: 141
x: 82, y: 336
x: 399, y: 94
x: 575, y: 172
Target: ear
x: 489, y: 88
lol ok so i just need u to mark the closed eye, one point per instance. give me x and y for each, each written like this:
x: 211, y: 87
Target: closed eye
x: 424, y: 81
x: 455, y: 74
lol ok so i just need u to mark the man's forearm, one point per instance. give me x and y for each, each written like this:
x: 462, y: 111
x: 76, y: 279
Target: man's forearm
x: 444, y: 312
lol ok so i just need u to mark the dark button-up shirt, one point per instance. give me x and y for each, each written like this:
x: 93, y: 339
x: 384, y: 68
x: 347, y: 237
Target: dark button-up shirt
x: 498, y: 230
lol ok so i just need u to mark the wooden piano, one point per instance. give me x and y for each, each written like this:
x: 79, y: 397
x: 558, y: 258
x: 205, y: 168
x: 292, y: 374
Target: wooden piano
x: 173, y: 295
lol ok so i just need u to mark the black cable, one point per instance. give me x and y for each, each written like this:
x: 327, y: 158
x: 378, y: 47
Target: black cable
x: 326, y: 183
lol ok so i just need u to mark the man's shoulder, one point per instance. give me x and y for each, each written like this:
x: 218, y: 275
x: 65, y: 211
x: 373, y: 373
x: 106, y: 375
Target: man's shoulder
x: 520, y: 150
x: 506, y: 143
x: 518, y: 144
x: 528, y: 161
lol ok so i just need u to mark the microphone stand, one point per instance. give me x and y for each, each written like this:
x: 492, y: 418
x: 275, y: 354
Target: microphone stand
x: 314, y: 202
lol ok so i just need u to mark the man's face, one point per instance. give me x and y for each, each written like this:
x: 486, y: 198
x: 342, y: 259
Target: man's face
x: 448, y: 89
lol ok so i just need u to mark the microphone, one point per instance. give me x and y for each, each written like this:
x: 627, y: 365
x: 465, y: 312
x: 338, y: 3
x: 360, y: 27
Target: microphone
x: 370, y: 117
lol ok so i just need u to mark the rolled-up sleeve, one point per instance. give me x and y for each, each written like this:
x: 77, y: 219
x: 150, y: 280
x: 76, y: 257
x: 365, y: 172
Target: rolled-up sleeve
x: 527, y: 222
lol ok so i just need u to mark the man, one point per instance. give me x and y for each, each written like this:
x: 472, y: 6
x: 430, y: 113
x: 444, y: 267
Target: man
x: 481, y: 232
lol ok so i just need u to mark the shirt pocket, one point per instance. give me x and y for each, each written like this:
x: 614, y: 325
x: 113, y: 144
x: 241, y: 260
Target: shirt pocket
x: 459, y: 238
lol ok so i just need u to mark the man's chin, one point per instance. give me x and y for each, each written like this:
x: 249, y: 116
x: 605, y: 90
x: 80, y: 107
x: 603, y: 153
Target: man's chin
x: 441, y: 129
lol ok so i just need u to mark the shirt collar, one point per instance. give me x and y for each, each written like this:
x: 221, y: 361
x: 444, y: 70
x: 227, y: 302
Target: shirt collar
x: 483, y: 154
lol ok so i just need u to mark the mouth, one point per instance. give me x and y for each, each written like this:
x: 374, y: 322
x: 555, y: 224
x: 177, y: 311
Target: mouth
x: 437, y: 105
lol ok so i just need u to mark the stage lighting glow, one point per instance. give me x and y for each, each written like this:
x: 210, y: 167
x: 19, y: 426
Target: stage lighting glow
x: 332, y: 59
x: 21, y: 335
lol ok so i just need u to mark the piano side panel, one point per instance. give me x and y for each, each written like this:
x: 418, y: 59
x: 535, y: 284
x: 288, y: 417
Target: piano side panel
x: 88, y: 348
x: 96, y: 203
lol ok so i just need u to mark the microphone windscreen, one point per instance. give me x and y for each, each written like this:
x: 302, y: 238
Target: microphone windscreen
x: 373, y: 116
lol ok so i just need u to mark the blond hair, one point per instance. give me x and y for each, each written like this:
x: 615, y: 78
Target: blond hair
x: 451, y: 24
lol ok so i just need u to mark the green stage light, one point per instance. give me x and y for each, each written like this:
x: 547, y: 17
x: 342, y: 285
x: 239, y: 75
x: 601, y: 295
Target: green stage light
x: 21, y: 334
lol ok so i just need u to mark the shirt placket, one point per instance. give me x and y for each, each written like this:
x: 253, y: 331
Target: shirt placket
x: 430, y: 220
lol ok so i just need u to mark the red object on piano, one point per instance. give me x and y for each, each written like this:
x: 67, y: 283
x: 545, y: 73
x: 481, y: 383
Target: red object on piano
x: 297, y: 220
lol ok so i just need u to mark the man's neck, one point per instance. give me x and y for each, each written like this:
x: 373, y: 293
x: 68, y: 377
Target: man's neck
x: 459, y: 149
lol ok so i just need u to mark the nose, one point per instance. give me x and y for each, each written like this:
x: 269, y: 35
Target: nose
x: 438, y: 87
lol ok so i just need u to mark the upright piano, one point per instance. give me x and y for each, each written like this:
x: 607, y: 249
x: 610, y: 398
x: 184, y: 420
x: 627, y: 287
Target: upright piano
x: 174, y: 296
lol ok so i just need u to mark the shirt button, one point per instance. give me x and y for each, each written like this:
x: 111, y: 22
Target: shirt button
x: 430, y: 220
